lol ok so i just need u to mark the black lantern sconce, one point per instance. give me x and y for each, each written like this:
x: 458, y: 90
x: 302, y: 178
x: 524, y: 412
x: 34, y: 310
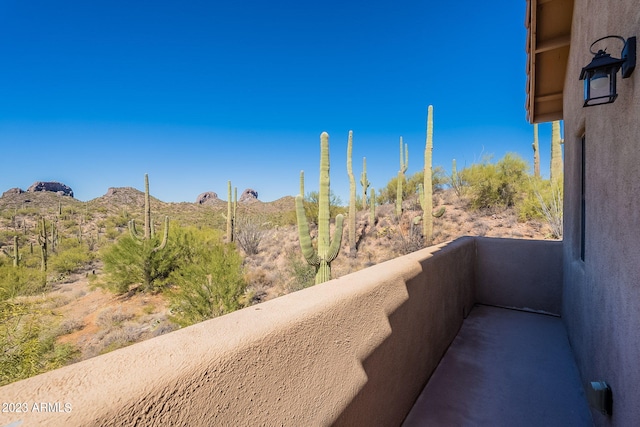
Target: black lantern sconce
x: 600, y: 75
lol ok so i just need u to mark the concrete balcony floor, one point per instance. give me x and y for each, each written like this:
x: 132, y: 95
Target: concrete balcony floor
x: 504, y: 368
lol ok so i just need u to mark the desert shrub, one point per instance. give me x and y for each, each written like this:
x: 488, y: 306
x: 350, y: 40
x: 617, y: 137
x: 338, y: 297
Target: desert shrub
x: 544, y: 202
x: 71, y: 255
x: 438, y: 180
x: 410, y: 240
x: 110, y: 317
x: 119, y: 221
x: 128, y: 262
x: 112, y: 233
x: 496, y: 185
x: 118, y: 338
x: 27, y: 347
x: 210, y: 287
x: 302, y: 274
x: 410, y: 185
x: 15, y: 281
x: 249, y: 233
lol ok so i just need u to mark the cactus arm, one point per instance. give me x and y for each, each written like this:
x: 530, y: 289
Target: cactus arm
x: 303, y: 233
x: 134, y: 233
x: 439, y: 212
x: 165, y: 236
x: 323, y: 272
x: 334, y: 249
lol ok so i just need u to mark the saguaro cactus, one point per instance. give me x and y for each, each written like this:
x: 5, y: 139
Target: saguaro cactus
x: 16, y: 253
x: 427, y: 202
x: 302, y: 183
x: 149, y: 231
x: 536, y: 152
x: 327, y: 250
x: 364, y: 182
x: 556, y: 152
x: 352, y: 197
x: 42, y: 240
x: 229, y: 209
x: 404, y: 165
x: 230, y: 217
x: 372, y: 206
x: 425, y: 190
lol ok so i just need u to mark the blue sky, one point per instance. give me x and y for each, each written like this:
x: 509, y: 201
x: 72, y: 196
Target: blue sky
x: 97, y: 93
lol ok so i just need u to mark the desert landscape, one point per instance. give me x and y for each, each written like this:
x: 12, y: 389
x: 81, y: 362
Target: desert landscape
x: 76, y: 313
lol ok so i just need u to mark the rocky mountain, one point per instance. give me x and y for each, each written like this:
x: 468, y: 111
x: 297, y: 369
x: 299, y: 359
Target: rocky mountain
x: 248, y: 195
x: 207, y: 198
x: 52, y: 186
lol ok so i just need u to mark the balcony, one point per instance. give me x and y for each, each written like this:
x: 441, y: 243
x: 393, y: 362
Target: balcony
x: 357, y: 350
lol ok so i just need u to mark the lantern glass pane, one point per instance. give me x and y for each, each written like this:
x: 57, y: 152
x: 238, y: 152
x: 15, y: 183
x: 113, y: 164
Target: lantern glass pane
x: 600, y: 86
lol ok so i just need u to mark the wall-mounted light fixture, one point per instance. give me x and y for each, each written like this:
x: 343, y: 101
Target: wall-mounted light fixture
x: 600, y: 75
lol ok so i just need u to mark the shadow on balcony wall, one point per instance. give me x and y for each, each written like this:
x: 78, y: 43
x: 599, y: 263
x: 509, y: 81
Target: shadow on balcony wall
x: 422, y: 328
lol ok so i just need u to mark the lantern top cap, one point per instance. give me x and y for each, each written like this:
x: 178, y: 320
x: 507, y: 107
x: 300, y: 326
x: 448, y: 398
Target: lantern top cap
x: 601, y: 60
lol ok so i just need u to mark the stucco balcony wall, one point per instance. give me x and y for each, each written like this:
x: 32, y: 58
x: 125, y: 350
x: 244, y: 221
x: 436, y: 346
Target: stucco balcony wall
x: 353, y: 351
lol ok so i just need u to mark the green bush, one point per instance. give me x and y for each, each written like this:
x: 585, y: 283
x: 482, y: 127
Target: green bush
x: 28, y: 344
x: 71, y: 255
x: 496, y: 185
x: 410, y: 186
x: 211, y: 285
x: 128, y: 262
x: 544, y: 202
x: 15, y: 281
x: 302, y: 274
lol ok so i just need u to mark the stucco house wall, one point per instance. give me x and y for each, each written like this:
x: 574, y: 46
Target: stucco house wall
x: 601, y: 294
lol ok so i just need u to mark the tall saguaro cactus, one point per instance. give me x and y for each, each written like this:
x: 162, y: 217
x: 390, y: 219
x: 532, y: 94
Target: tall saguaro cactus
x: 16, y: 253
x: 427, y: 206
x: 327, y: 249
x: 536, y: 152
x: 302, y: 183
x: 352, y: 197
x: 231, y: 212
x: 404, y: 165
x: 42, y: 240
x: 372, y: 206
x: 556, y: 152
x: 364, y: 182
x: 149, y: 230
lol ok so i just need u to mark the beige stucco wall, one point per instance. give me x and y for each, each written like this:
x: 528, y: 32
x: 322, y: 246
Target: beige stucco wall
x: 601, y: 302
x: 354, y: 351
x: 520, y: 274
